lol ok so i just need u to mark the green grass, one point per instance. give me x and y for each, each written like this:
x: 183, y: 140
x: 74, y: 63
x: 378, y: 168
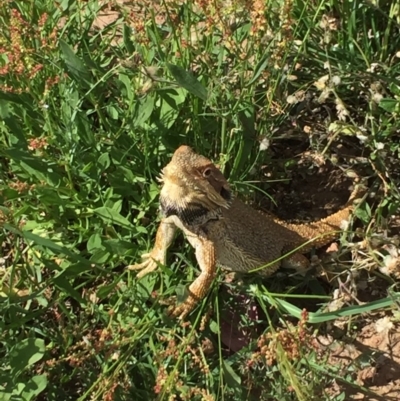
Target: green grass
x: 88, y: 119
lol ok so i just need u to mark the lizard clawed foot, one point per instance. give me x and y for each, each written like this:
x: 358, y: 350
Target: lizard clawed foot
x: 176, y: 310
x: 180, y: 310
x: 146, y: 267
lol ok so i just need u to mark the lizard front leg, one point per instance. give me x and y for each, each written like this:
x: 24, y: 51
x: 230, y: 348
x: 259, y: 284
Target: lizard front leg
x: 206, y: 258
x: 164, y: 237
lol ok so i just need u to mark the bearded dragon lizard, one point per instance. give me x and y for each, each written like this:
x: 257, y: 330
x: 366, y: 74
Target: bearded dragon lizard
x: 197, y: 199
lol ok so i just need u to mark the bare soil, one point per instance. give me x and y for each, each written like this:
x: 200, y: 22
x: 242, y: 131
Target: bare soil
x: 374, y: 351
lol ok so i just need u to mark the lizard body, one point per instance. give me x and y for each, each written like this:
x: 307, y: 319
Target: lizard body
x: 197, y: 199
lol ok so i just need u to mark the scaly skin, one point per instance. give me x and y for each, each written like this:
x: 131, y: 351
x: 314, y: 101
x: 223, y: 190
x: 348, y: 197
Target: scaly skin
x: 196, y: 198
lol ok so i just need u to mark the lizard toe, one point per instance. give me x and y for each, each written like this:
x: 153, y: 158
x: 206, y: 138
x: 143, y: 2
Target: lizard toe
x: 137, y: 266
x: 179, y: 311
x: 146, y: 267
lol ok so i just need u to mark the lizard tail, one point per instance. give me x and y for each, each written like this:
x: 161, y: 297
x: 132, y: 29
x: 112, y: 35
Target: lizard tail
x: 324, y: 231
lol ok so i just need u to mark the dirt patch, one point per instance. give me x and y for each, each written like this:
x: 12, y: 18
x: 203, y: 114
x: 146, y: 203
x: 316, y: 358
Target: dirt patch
x: 132, y: 13
x: 373, y: 355
x: 309, y: 187
x: 312, y: 194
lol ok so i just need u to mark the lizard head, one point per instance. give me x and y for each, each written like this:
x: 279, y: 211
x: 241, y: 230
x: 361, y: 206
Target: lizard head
x: 193, y: 187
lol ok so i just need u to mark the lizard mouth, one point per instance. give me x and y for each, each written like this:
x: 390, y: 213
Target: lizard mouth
x: 226, y: 194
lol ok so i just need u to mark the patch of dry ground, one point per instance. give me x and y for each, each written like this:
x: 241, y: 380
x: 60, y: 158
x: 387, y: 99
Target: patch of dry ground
x: 374, y: 353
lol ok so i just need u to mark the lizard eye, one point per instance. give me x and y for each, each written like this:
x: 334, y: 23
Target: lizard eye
x: 207, y: 172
